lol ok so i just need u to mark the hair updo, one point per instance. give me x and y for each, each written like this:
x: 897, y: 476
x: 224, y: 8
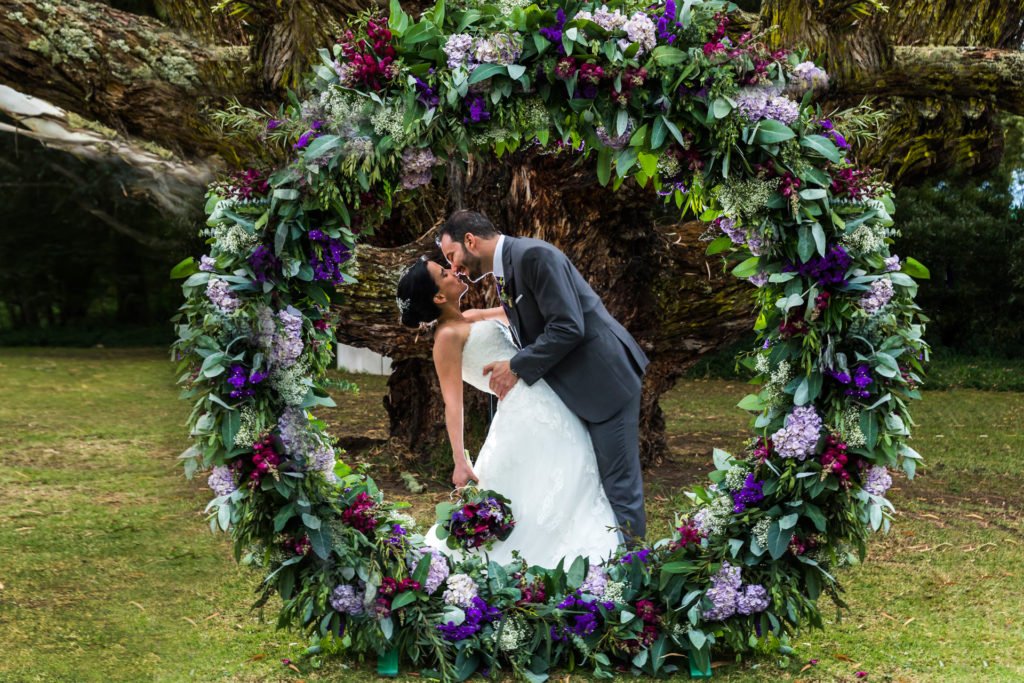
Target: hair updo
x: 416, y: 290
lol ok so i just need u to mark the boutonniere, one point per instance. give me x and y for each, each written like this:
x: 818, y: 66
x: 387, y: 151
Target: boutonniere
x: 503, y: 294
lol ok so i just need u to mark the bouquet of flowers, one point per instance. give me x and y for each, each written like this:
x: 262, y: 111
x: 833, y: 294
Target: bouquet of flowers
x: 477, y: 519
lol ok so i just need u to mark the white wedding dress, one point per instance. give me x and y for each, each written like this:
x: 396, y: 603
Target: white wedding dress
x: 537, y: 454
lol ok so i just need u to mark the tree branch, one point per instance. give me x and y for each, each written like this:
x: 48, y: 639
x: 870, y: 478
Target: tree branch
x: 173, y: 183
x: 995, y: 77
x: 129, y: 72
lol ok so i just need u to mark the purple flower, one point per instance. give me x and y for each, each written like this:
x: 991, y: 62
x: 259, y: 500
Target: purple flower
x: 265, y: 266
x: 304, y: 139
x: 438, y: 572
x: 752, y: 599
x: 417, y: 167
x: 554, y: 33
x: 478, y: 614
x: 877, y: 481
x: 221, y: 295
x: 426, y: 95
x: 345, y: 600
x: 586, y: 620
x: 477, y: 109
x: 748, y: 495
x: 328, y: 255
x: 829, y: 269
x: 881, y: 293
x: 724, y: 592
x: 756, y: 104
x: 222, y: 481
x: 272, y: 124
x: 241, y: 381
x: 207, y: 264
x: 595, y: 582
x: 637, y: 555
x: 892, y: 264
x: 800, y: 435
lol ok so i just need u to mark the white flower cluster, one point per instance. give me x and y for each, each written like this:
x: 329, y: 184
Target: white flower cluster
x: 608, y: 20
x: 713, y: 519
x: 736, y: 477
x: 776, y: 381
x: 250, y: 427
x: 461, y: 590
x: 391, y: 121
x: 760, y: 531
x: 866, y: 239
x: 849, y: 428
x: 508, y: 6
x: 613, y: 591
x: 235, y: 239
x: 292, y: 383
x: 514, y: 634
x: 342, y: 109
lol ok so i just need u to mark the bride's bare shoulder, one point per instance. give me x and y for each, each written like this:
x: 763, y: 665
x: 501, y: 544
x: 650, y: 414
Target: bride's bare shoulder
x: 451, y: 336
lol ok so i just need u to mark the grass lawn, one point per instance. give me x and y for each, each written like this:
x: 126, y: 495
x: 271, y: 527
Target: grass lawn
x: 108, y: 571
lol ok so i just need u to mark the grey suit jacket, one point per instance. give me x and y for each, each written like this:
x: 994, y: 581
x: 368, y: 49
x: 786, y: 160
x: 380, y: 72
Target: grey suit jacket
x: 567, y: 336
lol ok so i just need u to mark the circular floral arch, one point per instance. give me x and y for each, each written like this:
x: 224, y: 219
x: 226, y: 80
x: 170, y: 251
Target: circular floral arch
x: 661, y: 94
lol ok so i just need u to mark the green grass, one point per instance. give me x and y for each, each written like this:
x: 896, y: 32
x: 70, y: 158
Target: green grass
x: 108, y: 571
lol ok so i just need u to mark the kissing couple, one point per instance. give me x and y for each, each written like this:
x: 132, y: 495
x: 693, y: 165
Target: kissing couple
x: 564, y: 444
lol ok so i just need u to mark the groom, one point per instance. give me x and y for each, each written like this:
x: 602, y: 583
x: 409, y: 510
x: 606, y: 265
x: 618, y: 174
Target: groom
x: 568, y: 338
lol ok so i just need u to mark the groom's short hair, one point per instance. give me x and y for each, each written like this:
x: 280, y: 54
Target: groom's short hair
x: 465, y: 221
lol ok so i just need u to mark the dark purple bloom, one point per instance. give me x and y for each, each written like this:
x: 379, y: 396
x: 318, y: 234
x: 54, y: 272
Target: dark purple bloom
x: 265, y: 266
x: 241, y: 381
x: 554, y: 33
x: 638, y: 555
x: 861, y: 381
x: 426, y: 95
x: 304, y: 139
x: 585, y: 621
x: 272, y: 124
x: 327, y: 256
x: 257, y: 376
x: 477, y: 109
x: 829, y: 269
x: 478, y: 614
x: 750, y: 493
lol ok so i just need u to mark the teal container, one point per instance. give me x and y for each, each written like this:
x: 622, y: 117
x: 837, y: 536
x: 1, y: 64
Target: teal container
x: 387, y: 663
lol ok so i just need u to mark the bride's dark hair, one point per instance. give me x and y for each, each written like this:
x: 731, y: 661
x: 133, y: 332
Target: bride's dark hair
x: 416, y: 290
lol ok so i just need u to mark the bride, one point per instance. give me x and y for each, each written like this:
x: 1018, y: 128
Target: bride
x: 537, y: 453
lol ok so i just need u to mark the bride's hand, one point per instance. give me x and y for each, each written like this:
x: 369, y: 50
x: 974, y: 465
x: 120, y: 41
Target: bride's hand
x: 463, y: 473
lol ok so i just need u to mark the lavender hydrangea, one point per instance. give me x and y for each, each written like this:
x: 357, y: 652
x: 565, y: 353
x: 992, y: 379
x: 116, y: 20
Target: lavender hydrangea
x: 735, y: 233
x: 438, y: 571
x: 892, y: 264
x: 417, y: 167
x: 596, y: 581
x: 799, y: 436
x: 729, y: 596
x: 222, y: 481
x: 457, y: 48
x: 752, y: 599
x: 301, y: 440
x: 881, y: 293
x: 220, y: 295
x: 640, y: 29
x: 756, y: 104
x: 608, y: 20
x: 461, y: 590
x: 759, y: 279
x: 346, y: 600
x: 808, y: 76
x: 287, y: 345
x: 500, y: 48
x: 207, y: 264
x: 616, y: 142
x: 877, y: 480
x: 724, y: 591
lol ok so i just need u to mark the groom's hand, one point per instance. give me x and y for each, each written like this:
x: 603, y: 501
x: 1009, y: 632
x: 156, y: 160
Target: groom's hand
x: 502, y: 377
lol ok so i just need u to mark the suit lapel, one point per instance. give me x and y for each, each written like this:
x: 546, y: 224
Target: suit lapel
x: 510, y: 287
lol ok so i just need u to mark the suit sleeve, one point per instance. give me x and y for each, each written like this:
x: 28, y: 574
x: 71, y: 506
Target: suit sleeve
x: 548, y: 275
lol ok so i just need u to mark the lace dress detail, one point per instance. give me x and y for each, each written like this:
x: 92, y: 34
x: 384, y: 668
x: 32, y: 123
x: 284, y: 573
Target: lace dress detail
x: 538, y: 454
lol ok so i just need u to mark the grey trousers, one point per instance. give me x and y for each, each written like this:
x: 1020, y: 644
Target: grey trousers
x: 617, y: 445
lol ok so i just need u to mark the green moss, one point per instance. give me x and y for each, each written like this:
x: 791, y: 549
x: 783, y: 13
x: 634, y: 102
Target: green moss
x: 77, y: 121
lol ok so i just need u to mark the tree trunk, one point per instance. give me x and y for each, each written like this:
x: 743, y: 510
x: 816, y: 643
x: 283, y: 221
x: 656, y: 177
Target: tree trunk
x: 650, y: 272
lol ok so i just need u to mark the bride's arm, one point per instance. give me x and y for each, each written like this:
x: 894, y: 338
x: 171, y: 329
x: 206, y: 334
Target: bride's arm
x: 477, y: 314
x: 448, y: 363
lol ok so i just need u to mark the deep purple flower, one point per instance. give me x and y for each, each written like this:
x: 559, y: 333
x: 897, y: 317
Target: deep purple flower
x: 304, y: 139
x: 478, y: 614
x: 426, y: 95
x: 477, y: 109
x: 750, y: 494
x: 554, y: 33
x: 272, y: 124
x: 265, y: 266
x: 327, y: 256
x: 829, y: 269
x: 637, y: 555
